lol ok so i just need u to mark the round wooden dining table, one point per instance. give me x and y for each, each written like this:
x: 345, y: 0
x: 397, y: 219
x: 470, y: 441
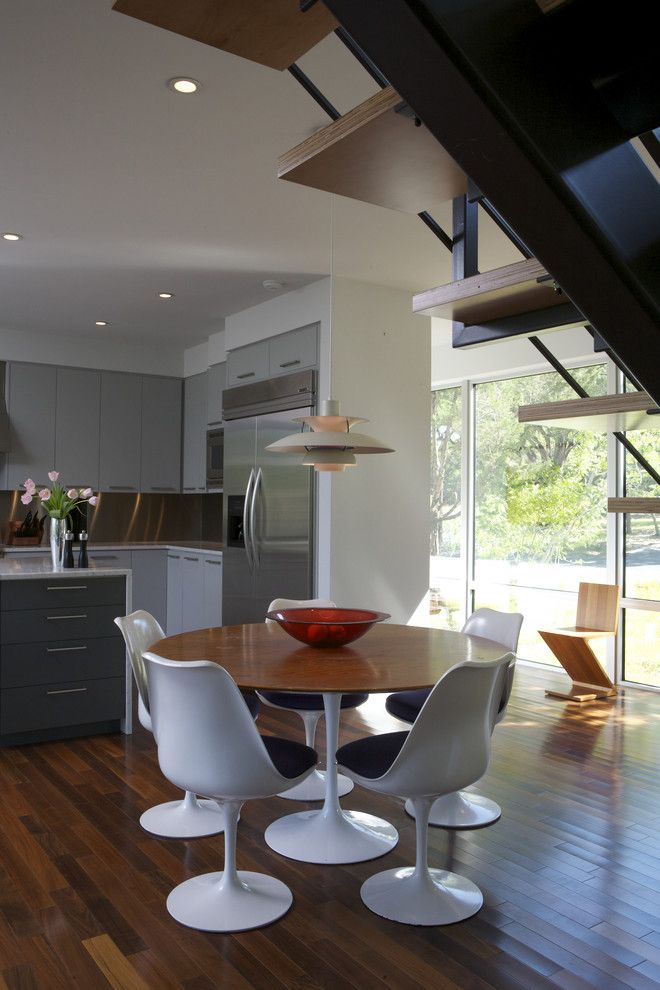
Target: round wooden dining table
x: 262, y: 657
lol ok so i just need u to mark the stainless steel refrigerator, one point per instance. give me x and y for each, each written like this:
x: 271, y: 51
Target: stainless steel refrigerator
x: 268, y: 517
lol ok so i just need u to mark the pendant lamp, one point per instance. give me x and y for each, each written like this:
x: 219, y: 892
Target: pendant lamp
x: 328, y: 444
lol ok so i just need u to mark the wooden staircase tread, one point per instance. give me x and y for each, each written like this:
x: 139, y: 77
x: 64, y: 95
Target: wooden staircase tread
x: 376, y: 155
x: 647, y: 504
x: 492, y: 295
x: 601, y: 414
x: 274, y: 33
x: 577, y: 633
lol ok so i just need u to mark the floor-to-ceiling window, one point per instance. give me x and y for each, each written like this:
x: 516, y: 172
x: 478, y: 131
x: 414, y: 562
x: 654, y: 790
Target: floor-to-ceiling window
x: 519, y: 516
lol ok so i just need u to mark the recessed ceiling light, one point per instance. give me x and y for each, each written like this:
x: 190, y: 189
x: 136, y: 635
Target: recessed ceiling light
x: 101, y: 323
x: 165, y: 295
x: 183, y: 84
x: 12, y: 237
x: 272, y: 285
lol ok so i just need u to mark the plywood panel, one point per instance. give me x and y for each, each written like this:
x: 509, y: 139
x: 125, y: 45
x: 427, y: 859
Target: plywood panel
x: 490, y: 295
x: 271, y: 32
x: 601, y: 414
x: 650, y: 505
x: 377, y: 155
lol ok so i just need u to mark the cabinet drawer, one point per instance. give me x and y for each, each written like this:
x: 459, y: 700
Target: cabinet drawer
x: 293, y: 351
x: 41, y: 663
x: 55, y: 592
x: 58, y: 704
x: 247, y: 364
x: 80, y: 623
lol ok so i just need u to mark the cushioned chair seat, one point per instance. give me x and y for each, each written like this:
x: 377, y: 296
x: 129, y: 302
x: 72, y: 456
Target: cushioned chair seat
x: 252, y: 702
x: 290, y: 758
x: 406, y: 705
x: 309, y: 702
x: 373, y: 756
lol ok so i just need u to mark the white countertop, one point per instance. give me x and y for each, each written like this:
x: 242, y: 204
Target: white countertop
x: 193, y: 546
x: 13, y: 569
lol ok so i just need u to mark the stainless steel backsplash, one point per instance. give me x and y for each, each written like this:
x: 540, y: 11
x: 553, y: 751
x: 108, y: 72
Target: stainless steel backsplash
x: 129, y: 517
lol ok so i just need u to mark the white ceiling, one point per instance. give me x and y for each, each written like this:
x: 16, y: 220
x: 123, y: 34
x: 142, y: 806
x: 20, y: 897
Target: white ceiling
x: 122, y: 188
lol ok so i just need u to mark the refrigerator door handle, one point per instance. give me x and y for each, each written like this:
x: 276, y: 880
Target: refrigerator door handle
x: 247, y: 540
x: 253, y: 513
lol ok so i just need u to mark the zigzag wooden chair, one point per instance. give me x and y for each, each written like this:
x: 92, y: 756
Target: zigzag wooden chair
x: 597, y: 617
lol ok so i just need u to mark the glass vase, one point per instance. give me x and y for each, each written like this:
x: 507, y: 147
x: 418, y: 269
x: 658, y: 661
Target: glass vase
x: 57, y: 531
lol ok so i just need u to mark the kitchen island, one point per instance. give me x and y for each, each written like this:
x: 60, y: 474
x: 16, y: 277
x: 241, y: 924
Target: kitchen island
x: 63, y: 665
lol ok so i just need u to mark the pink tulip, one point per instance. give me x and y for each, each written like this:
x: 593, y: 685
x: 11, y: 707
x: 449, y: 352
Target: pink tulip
x: 86, y: 492
x: 26, y: 498
x: 29, y: 485
x: 72, y: 493
x: 93, y: 500
x: 53, y: 476
x: 44, y: 494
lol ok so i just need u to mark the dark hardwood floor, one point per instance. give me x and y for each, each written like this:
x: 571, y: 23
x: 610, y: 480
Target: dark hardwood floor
x: 570, y: 874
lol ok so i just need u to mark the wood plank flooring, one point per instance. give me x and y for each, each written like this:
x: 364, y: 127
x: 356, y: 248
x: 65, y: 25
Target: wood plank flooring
x: 570, y: 874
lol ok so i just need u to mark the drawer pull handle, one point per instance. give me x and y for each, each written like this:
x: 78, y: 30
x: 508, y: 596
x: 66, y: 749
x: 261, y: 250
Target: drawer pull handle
x: 68, y: 691
x: 104, y: 556
x: 196, y: 559
x: 246, y: 374
x: 216, y: 563
x: 122, y: 488
x: 174, y: 556
x: 67, y: 587
x: 57, y: 618
x: 290, y: 364
x: 64, y: 649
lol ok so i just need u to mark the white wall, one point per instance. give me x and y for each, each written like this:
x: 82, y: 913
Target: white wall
x: 450, y: 366
x: 92, y: 352
x: 381, y: 369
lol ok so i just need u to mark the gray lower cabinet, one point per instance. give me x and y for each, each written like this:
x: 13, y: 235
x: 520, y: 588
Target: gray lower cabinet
x: 77, y: 407
x: 194, y: 591
x: 31, y: 391
x: 161, y: 435
x: 150, y: 582
x: 121, y: 415
x: 62, y: 659
x: 174, y: 622
x: 195, y: 390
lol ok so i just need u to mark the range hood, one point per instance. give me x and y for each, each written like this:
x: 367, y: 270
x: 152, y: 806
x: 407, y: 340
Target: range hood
x: 4, y: 418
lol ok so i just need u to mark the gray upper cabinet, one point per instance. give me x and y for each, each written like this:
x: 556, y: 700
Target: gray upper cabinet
x: 161, y: 435
x: 194, y: 433
x: 247, y: 364
x: 296, y: 350
x: 121, y: 413
x: 77, y: 413
x: 32, y: 391
x: 216, y: 381
x: 293, y: 351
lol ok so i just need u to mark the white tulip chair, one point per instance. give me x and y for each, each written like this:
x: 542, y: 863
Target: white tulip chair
x: 447, y: 748
x: 208, y: 744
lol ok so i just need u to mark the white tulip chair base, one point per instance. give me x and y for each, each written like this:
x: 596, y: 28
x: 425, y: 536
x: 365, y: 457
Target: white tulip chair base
x: 421, y: 897
x: 314, y: 788
x: 331, y: 835
x: 462, y: 809
x: 229, y: 902
x: 190, y: 818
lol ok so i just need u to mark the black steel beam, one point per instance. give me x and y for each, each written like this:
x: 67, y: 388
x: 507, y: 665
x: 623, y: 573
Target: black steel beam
x: 361, y: 56
x: 577, y: 388
x: 520, y: 325
x: 314, y: 91
x: 489, y: 81
x: 435, y: 227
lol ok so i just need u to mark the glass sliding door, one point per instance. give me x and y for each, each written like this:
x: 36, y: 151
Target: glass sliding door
x: 446, y: 607
x: 540, y: 505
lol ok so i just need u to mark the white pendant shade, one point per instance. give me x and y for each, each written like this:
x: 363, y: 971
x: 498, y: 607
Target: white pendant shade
x: 329, y: 445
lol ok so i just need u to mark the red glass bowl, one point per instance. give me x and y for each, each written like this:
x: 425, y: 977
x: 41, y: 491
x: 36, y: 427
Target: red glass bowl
x: 322, y: 627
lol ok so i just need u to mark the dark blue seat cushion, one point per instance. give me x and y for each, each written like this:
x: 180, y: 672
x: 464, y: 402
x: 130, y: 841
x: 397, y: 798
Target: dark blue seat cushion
x: 309, y: 702
x: 372, y: 756
x: 290, y: 758
x: 406, y: 705
x: 252, y: 702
